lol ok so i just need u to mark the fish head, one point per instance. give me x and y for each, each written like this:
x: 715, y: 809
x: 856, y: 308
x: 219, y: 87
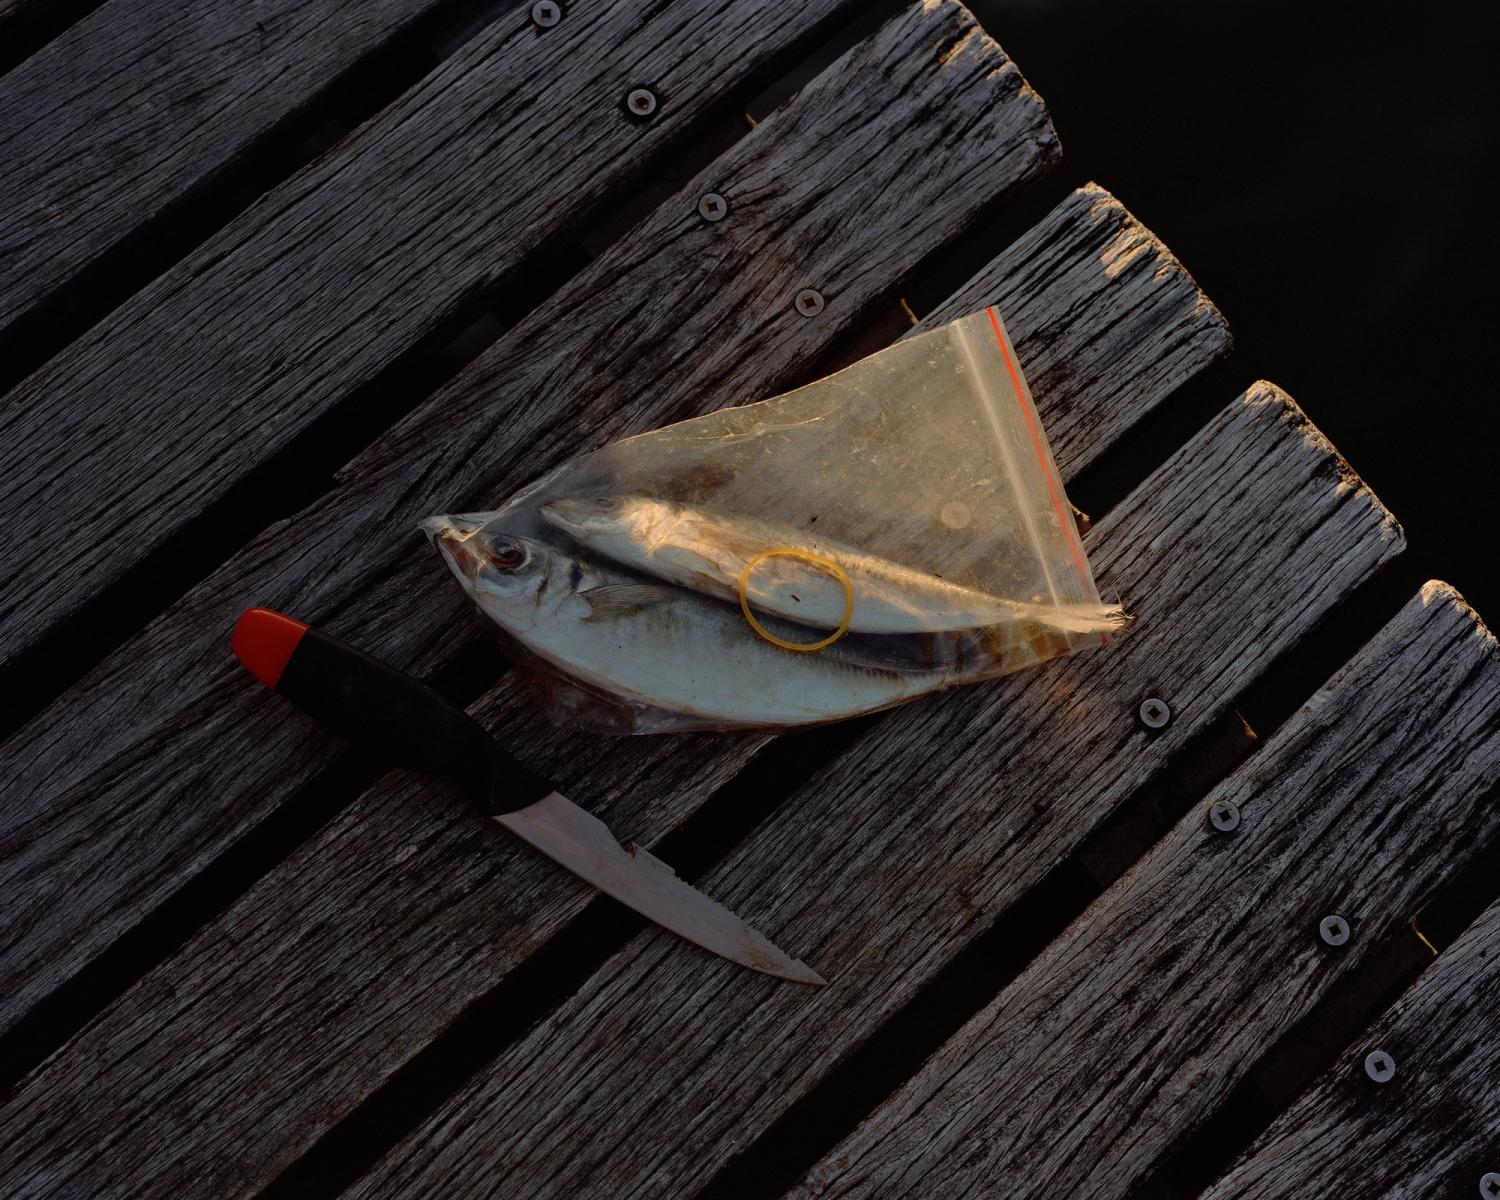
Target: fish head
x: 600, y: 519
x: 518, y: 581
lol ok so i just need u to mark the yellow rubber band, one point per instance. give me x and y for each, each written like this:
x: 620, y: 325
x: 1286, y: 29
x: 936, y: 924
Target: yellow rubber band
x: 816, y: 560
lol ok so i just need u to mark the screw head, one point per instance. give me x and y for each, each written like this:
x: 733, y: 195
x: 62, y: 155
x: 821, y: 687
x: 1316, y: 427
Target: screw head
x: 545, y: 14
x: 1380, y: 1066
x: 809, y: 302
x: 1489, y: 1186
x: 1224, y: 815
x: 1334, y: 930
x: 641, y: 102
x: 1154, y: 713
x: 712, y: 206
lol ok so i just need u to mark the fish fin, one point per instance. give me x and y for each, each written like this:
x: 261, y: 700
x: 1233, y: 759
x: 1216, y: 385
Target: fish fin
x: 622, y: 599
x: 1084, y: 618
x: 571, y: 705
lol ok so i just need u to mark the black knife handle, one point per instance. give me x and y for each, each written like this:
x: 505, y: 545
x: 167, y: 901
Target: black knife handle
x: 381, y: 709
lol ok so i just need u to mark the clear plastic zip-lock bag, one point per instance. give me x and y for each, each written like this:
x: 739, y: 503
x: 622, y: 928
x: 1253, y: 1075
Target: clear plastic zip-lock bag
x: 894, y: 529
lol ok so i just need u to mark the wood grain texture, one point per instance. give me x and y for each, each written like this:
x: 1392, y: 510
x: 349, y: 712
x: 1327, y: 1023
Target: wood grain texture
x: 1434, y: 1130
x: 139, y: 104
x: 893, y: 858
x: 203, y: 731
x: 169, y: 747
x: 366, y: 944
x: 218, y: 365
x: 1131, y: 1027
x: 363, y: 946
x: 171, y: 720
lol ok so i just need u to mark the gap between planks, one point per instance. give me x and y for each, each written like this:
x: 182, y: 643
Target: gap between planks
x: 136, y: 133
x: 171, y: 707
x: 1434, y: 1130
x: 1013, y: 133
x: 1061, y: 301
x: 354, y: 564
x: 216, y: 368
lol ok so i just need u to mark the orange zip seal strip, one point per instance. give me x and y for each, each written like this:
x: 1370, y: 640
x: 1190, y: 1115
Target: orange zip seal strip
x: 1049, y: 472
x: 816, y: 560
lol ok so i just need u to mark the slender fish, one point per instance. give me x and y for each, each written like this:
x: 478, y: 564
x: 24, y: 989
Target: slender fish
x: 708, y: 551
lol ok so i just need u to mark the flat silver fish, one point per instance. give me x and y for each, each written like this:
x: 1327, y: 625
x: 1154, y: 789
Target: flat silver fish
x: 708, y: 551
x: 664, y: 648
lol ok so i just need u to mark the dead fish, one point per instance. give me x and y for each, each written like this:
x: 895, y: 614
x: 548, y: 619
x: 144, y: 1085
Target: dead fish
x: 659, y: 646
x: 708, y: 551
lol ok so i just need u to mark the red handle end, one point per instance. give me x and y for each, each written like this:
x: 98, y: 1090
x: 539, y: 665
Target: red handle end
x: 264, y: 642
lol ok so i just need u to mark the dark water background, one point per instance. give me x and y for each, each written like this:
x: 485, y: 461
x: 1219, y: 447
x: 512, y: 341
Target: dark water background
x: 1325, y: 171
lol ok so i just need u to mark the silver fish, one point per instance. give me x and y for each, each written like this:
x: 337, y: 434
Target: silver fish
x: 709, y: 551
x: 660, y: 647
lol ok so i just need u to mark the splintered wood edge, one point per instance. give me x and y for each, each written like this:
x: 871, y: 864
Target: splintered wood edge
x: 1133, y: 240
x: 1146, y: 295
x: 1264, y: 393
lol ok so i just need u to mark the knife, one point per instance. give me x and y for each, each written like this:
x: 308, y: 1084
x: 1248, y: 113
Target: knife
x: 372, y: 704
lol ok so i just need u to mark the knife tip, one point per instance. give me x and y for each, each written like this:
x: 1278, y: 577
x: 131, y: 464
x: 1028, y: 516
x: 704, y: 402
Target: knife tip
x: 800, y: 972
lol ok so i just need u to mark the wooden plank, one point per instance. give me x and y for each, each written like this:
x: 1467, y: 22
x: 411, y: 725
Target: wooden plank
x: 1130, y: 1028
x: 1145, y: 326
x: 169, y: 722
x: 1433, y: 1130
x: 216, y: 367
x: 889, y: 861
x: 174, y: 752
x: 137, y: 106
x: 364, y: 945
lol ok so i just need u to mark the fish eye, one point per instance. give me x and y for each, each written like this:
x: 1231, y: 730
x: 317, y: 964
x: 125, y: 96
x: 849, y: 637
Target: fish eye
x: 606, y: 503
x: 507, y: 556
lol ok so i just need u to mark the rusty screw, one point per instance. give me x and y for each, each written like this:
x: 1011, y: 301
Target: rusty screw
x: 1224, y: 815
x: 545, y: 14
x: 1154, y: 713
x: 1380, y: 1066
x: 1489, y: 1186
x: 642, y: 102
x: 712, y: 206
x: 809, y: 302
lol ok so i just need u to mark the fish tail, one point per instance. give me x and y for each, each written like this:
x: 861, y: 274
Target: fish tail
x: 1083, y: 618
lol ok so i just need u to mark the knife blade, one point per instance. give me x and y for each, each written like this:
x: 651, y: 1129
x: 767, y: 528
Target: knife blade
x: 371, y: 703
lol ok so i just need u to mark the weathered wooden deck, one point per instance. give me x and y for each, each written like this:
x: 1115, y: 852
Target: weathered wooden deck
x: 236, y: 960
